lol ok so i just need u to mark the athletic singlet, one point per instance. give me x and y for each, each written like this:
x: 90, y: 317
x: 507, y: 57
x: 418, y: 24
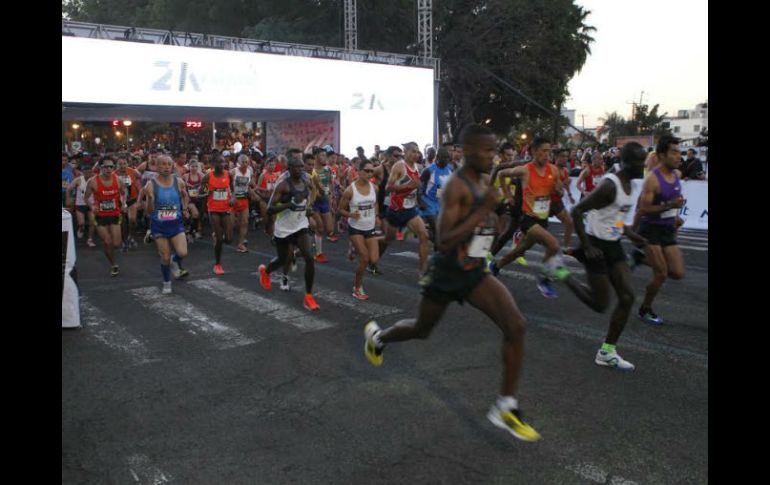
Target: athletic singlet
x: 269, y: 181
x: 325, y: 176
x: 668, y: 191
x: 293, y: 219
x: 383, y: 197
x: 80, y: 192
x: 537, y: 193
x: 364, y: 205
x: 193, y: 187
x: 593, y: 179
x: 219, y: 192
x: 405, y: 199
x: 242, y: 182
x: 107, y: 199
x: 168, y: 202
x: 130, y: 181
x: 607, y: 223
x: 473, y: 253
x: 564, y: 175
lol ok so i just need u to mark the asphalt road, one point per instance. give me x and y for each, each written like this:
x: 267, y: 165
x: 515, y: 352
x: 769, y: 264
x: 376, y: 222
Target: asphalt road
x: 223, y: 382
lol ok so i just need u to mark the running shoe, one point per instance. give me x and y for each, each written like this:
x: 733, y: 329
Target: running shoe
x: 166, y: 288
x: 264, y: 277
x: 648, y: 316
x: 147, y: 237
x: 512, y: 421
x: 612, y: 359
x: 310, y: 303
x: 360, y: 294
x: 115, y: 270
x: 91, y: 243
x: 218, y: 269
x: 183, y: 273
x: 371, y: 350
x: 332, y: 238
x: 374, y: 269
x: 493, y: 268
x: 521, y: 261
x: 546, y: 288
x: 321, y: 258
x: 242, y: 249
x: 400, y: 235
x: 80, y: 233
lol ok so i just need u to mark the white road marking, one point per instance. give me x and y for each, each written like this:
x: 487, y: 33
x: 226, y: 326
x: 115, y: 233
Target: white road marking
x: 145, y: 472
x: 113, y: 335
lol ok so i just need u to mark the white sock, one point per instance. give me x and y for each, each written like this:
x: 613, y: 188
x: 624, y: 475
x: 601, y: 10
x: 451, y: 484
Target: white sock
x: 319, y: 244
x: 507, y: 402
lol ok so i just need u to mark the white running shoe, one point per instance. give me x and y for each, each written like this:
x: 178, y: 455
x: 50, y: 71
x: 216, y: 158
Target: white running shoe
x: 175, y: 269
x: 285, y: 283
x: 612, y: 359
x: 166, y: 288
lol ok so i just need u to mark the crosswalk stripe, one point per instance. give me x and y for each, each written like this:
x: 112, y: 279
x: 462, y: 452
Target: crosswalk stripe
x: 176, y: 309
x: 144, y: 471
x: 535, y: 264
x: 263, y: 306
x: 367, y: 307
x: 107, y: 331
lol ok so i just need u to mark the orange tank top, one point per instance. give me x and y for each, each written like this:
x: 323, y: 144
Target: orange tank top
x: 219, y: 192
x: 107, y: 198
x: 537, y: 193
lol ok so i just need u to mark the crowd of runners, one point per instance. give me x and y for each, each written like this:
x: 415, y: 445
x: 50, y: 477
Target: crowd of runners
x: 462, y: 202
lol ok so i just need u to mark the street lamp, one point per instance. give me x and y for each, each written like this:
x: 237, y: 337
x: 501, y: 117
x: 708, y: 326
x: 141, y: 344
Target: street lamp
x: 127, y: 123
x: 523, y: 136
x: 75, y: 127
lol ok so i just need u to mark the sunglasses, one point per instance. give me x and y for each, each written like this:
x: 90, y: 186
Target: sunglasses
x: 108, y: 166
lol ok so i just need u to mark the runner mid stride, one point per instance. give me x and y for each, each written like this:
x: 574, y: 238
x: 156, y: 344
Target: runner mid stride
x: 466, y: 229
x: 290, y: 203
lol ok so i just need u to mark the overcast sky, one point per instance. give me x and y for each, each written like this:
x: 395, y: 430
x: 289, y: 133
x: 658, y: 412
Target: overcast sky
x: 656, y: 46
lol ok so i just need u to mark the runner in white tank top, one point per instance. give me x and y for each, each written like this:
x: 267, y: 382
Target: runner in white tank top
x: 606, y: 209
x: 81, y: 207
x: 359, y: 205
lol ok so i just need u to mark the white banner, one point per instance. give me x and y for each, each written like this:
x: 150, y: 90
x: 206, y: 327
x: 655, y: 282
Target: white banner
x: 70, y: 298
x: 695, y: 211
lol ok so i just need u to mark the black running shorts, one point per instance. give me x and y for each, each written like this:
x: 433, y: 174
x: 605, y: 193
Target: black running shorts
x: 445, y: 282
x: 613, y: 254
x: 527, y: 221
x: 658, y: 234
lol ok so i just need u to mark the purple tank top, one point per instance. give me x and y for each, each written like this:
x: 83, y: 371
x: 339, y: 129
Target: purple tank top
x: 668, y: 191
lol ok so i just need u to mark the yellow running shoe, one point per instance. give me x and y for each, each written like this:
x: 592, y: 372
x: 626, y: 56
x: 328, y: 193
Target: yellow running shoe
x: 512, y: 422
x: 373, y: 353
x: 521, y: 261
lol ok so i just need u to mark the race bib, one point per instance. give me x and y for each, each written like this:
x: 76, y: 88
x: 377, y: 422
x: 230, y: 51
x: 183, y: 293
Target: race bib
x: 480, y: 245
x: 167, y: 213
x: 193, y: 192
x: 270, y: 186
x: 219, y: 194
x: 126, y: 179
x: 107, y: 205
x: 669, y: 213
x: 410, y: 200
x: 387, y: 200
x: 366, y: 211
x: 542, y: 207
x: 64, y: 184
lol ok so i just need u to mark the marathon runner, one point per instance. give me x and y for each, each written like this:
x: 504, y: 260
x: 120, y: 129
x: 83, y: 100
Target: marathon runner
x: 130, y: 179
x: 109, y: 200
x: 243, y: 190
x: 216, y: 186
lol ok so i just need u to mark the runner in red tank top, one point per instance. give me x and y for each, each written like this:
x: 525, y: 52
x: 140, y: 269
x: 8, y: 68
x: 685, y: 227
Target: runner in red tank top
x: 216, y: 185
x: 540, y: 181
x: 590, y: 177
x: 108, y: 202
x: 403, y: 185
x: 193, y: 180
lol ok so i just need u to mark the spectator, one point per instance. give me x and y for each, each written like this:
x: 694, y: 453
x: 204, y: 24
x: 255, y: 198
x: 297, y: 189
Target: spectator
x: 692, y: 168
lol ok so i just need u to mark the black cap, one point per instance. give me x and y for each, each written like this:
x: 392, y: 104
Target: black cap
x: 392, y: 149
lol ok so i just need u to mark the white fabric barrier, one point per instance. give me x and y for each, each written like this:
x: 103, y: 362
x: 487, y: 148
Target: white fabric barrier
x: 70, y: 297
x: 695, y: 211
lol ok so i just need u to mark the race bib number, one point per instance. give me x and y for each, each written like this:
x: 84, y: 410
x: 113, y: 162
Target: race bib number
x: 387, y: 200
x: 480, y: 245
x: 271, y: 186
x: 107, y: 205
x: 597, y: 180
x: 167, y: 213
x: 193, y: 192
x: 64, y: 184
x: 366, y: 211
x: 126, y: 179
x: 542, y: 207
x: 219, y: 194
x: 410, y: 200
x: 669, y: 213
